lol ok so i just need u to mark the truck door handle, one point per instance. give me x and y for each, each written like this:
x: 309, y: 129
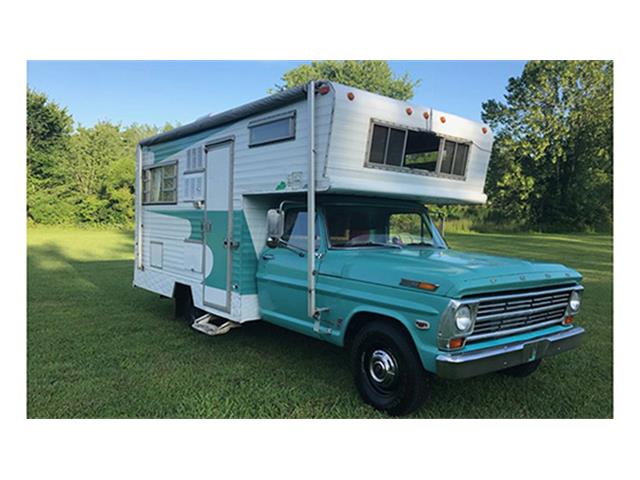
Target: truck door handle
x: 268, y: 256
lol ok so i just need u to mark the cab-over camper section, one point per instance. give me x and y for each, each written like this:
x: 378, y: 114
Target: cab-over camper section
x: 203, y: 189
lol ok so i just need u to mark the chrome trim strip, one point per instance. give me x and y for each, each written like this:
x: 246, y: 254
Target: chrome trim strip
x: 514, y: 331
x: 520, y: 295
x: 525, y: 312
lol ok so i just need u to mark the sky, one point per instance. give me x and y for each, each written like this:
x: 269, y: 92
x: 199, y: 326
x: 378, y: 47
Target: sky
x: 156, y: 92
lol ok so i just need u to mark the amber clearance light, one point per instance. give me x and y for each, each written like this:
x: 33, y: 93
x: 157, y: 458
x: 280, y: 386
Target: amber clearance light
x: 405, y: 282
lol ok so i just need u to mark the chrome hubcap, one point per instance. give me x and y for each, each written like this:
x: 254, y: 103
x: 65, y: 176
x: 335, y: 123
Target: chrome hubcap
x: 382, y: 368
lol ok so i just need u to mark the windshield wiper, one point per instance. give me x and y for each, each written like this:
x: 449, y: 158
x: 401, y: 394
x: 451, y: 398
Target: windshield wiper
x: 422, y: 244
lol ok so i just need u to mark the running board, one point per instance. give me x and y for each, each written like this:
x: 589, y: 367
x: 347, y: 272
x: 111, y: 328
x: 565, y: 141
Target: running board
x: 202, y: 325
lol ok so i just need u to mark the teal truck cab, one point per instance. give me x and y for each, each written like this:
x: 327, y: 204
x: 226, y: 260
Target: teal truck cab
x: 406, y: 305
x: 306, y: 209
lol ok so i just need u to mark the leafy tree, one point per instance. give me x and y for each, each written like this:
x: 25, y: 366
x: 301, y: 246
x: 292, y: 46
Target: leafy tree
x: 101, y: 168
x: 48, y: 129
x: 552, y: 163
x: 48, y: 132
x: 372, y: 75
x: 81, y: 176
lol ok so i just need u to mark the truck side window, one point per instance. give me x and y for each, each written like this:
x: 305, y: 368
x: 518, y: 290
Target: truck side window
x: 295, y: 229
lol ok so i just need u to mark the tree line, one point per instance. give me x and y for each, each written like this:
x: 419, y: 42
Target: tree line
x: 79, y: 175
x: 551, y: 167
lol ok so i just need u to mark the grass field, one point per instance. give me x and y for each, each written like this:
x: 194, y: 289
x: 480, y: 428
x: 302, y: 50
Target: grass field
x: 99, y: 348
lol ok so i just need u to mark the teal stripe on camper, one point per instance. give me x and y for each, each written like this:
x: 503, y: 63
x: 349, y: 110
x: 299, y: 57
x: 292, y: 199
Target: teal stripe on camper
x: 245, y: 261
x: 163, y: 151
x: 215, y: 241
x: 194, y: 217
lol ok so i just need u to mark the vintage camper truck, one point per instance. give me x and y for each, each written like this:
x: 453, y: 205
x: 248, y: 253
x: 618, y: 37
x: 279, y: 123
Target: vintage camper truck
x: 306, y: 209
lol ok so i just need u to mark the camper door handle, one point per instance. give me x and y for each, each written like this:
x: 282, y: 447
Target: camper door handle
x: 268, y: 256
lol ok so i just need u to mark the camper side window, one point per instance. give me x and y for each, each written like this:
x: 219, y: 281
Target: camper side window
x: 160, y: 184
x: 272, y: 129
x: 417, y: 152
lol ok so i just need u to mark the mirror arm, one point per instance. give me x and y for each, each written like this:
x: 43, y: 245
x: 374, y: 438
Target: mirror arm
x: 301, y: 252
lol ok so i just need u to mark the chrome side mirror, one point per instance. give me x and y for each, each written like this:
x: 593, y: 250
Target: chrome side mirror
x: 275, y: 227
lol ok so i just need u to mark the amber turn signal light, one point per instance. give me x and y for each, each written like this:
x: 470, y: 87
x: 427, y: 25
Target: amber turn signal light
x: 568, y: 320
x: 427, y: 286
x: 456, y: 343
x: 405, y: 282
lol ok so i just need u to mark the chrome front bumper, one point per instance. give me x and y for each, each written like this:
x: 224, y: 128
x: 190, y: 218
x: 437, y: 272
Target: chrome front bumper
x: 469, y: 364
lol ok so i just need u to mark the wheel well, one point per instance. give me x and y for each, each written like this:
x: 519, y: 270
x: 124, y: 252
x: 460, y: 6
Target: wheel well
x: 360, y: 319
x: 181, y: 294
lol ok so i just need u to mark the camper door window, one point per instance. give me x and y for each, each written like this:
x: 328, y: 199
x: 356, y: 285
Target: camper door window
x: 272, y: 129
x: 417, y: 152
x: 160, y: 184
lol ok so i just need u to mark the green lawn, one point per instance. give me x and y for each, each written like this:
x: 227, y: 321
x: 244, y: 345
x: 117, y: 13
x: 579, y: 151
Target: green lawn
x: 99, y: 348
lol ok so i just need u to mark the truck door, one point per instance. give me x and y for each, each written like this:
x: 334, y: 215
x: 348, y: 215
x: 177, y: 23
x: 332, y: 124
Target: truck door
x: 282, y: 277
x: 218, y: 224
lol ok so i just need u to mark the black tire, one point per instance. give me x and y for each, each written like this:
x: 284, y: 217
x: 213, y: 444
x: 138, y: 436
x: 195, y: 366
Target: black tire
x: 523, y: 370
x: 379, y: 349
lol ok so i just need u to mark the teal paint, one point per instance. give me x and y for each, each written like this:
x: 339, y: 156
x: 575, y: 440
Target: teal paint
x: 244, y: 260
x: 195, y: 218
x: 163, y: 151
x: 357, y: 281
x: 217, y: 278
x: 456, y: 273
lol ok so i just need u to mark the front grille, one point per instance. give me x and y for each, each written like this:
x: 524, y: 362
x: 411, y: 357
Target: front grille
x: 506, y: 314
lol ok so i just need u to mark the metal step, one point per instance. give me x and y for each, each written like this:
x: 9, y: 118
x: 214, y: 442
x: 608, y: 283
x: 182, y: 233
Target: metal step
x: 203, y: 324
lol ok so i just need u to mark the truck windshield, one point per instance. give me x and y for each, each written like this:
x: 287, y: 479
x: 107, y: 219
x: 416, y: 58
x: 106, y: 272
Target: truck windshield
x: 380, y: 226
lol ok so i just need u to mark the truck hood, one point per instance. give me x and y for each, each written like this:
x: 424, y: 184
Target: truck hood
x: 456, y: 273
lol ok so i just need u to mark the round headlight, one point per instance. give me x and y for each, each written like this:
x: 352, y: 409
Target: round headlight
x: 463, y: 318
x: 574, y: 301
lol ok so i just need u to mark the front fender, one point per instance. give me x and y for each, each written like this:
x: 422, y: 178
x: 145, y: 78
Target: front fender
x: 425, y: 341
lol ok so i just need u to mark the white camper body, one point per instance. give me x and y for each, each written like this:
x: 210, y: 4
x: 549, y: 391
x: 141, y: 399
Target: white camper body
x: 203, y: 190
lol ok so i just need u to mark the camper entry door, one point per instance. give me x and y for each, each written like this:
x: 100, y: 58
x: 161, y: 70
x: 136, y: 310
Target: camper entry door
x: 218, y: 224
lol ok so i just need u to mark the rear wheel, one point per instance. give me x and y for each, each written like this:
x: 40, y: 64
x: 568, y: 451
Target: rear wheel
x: 523, y: 370
x: 387, y: 370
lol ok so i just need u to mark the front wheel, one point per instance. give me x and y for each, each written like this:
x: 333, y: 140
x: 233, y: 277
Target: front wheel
x: 387, y: 370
